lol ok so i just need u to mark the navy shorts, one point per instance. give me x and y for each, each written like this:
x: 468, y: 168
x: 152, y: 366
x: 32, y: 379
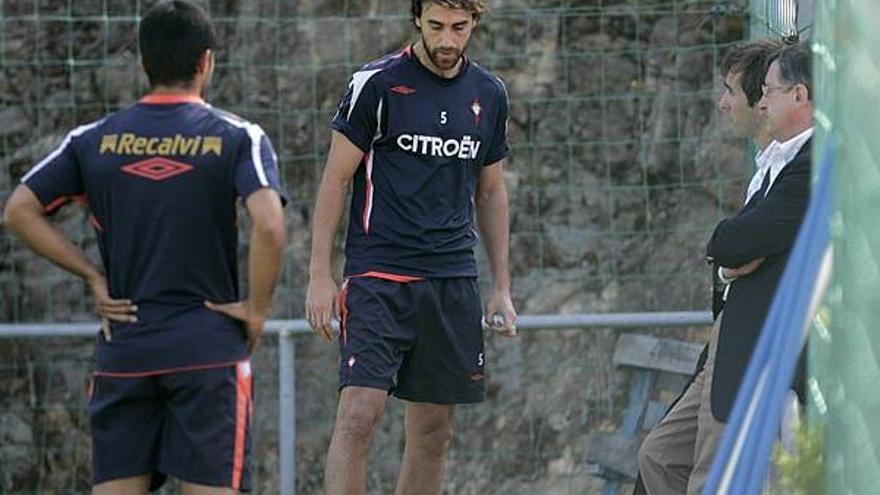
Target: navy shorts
x: 421, y: 341
x: 191, y: 425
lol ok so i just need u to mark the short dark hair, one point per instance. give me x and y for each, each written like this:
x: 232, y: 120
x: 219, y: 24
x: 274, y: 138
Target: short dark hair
x: 173, y: 36
x: 475, y: 7
x: 796, y: 65
x: 751, y: 60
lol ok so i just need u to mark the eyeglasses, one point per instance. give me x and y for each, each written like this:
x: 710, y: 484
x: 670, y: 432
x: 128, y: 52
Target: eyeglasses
x: 768, y: 90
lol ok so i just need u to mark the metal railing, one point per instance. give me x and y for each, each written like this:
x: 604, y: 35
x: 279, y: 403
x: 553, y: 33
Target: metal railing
x: 286, y: 330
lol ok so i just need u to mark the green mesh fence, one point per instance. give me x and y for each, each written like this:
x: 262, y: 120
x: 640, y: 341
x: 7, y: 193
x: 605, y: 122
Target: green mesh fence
x: 615, y: 159
x: 846, y: 351
x: 617, y: 174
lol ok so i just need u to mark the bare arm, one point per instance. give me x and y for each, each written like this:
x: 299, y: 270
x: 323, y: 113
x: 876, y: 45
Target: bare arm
x: 493, y: 219
x: 265, y: 259
x: 342, y: 163
x: 24, y: 216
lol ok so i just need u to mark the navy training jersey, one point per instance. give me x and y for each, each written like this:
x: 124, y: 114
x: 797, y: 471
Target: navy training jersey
x: 425, y: 140
x: 162, y: 179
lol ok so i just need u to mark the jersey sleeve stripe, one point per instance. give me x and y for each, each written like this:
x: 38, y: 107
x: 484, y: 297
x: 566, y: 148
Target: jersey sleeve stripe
x: 358, y: 81
x: 61, y: 148
x: 255, y: 133
x: 368, y: 202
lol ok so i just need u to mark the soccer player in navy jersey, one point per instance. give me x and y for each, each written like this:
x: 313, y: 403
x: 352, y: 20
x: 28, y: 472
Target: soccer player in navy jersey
x: 421, y: 135
x: 172, y: 388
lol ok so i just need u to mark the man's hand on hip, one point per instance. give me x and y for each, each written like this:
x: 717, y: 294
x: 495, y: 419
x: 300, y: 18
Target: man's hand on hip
x: 254, y: 321
x: 109, y: 309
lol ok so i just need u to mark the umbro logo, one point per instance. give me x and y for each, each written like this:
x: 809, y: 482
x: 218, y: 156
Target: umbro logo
x: 403, y: 90
x: 157, y: 169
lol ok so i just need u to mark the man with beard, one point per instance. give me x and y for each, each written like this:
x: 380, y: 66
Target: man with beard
x: 422, y: 135
x: 171, y: 394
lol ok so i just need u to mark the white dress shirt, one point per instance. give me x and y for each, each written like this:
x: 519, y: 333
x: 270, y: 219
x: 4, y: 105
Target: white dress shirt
x: 760, y: 169
x: 773, y: 159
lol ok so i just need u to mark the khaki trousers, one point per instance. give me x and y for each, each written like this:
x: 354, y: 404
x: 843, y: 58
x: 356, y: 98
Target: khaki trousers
x: 677, y: 454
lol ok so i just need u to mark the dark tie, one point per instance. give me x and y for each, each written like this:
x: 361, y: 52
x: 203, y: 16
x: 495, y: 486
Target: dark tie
x: 759, y: 196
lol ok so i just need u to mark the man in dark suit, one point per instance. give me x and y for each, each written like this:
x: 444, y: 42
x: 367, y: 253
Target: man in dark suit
x: 751, y: 250
x: 743, y: 70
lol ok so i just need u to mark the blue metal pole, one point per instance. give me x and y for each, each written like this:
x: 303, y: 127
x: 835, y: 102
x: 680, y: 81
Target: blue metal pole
x: 524, y: 322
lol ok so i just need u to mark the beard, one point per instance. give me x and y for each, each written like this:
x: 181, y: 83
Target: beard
x: 443, y: 58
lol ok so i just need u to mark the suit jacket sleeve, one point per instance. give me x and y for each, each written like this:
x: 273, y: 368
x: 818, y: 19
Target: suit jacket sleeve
x: 770, y: 227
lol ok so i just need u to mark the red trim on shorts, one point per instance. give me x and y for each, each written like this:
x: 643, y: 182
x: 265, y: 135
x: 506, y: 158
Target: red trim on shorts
x: 170, y: 99
x: 391, y: 277
x: 142, y: 374
x: 243, y: 384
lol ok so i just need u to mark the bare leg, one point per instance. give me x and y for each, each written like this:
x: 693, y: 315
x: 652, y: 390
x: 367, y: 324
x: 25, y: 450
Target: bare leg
x: 359, y: 411
x: 428, y: 433
x: 136, y: 485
